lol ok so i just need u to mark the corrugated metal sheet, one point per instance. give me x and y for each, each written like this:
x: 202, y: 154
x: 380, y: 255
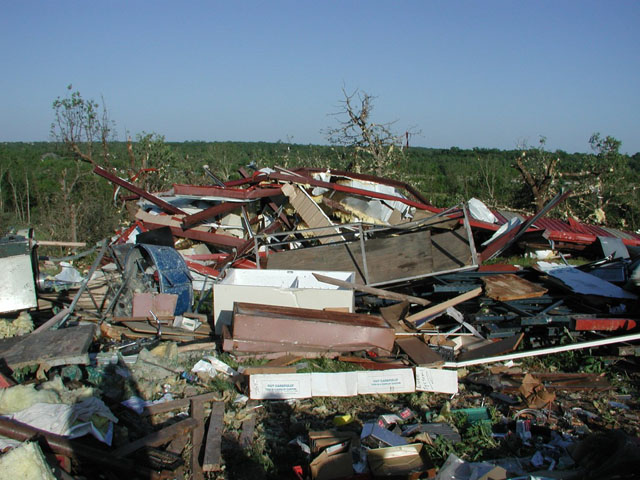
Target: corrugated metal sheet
x: 621, y: 234
x: 578, y: 232
x: 505, y: 215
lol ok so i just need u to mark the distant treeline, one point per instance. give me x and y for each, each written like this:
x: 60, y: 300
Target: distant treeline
x: 43, y: 187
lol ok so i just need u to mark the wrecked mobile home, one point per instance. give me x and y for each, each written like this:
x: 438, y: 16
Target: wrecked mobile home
x: 320, y: 324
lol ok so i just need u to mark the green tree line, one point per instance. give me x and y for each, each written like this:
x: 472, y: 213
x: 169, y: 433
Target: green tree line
x: 50, y: 185
x: 43, y: 187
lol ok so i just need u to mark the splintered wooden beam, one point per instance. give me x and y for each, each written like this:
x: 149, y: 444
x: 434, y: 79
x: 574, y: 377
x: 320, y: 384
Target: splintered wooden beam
x: 177, y: 444
x: 380, y: 292
x: 248, y: 427
x: 441, y: 307
x: 197, y: 434
x: 158, y: 438
x: 165, y: 407
x: 213, y: 445
x: 393, y: 314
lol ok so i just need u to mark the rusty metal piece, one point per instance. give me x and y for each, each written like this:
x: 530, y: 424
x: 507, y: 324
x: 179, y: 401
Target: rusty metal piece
x: 274, y: 328
x: 209, y: 213
x: 137, y: 190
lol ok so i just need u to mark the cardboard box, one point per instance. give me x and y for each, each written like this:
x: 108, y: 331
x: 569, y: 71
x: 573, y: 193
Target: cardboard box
x: 287, y: 288
x: 398, y: 461
x: 335, y: 459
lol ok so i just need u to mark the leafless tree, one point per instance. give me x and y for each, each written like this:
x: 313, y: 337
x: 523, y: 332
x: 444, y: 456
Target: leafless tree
x: 375, y: 146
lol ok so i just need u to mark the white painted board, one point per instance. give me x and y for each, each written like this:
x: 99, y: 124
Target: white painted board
x: 436, y: 380
x: 397, y: 380
x: 280, y: 386
x: 335, y: 384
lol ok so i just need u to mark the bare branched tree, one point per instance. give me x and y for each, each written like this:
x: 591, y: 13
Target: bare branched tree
x: 375, y: 146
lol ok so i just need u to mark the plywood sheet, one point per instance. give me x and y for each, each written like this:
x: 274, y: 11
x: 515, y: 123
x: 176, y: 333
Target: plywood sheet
x: 388, y: 259
x: 507, y: 287
x: 66, y: 346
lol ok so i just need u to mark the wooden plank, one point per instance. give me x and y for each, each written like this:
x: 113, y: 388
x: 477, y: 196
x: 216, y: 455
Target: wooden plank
x: 451, y: 251
x: 65, y: 346
x: 213, y: 445
x: 507, y: 287
x: 441, y: 307
x: 196, y: 347
x: 165, y: 407
x: 197, y: 435
x: 53, y: 320
x: 393, y: 313
x: 53, y: 243
x: 388, y: 259
x: 158, y: 438
x: 283, y: 361
x: 379, y: 292
x: 418, y: 351
x: 311, y: 213
x: 177, y: 444
x: 248, y: 427
x: 144, y: 327
x: 500, y: 347
x: 371, y: 364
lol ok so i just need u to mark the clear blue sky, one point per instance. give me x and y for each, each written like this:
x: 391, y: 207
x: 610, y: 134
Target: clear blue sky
x: 465, y: 73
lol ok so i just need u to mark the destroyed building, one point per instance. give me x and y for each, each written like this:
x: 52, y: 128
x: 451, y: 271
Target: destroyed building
x: 206, y: 321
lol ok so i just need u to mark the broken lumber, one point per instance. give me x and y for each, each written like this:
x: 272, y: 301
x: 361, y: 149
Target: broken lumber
x: 85, y: 455
x: 213, y: 445
x: 165, y: 407
x: 158, y: 438
x: 66, y: 346
x: 197, y: 435
x: 372, y: 290
x: 441, y: 307
x: 312, y: 214
x: 506, y: 287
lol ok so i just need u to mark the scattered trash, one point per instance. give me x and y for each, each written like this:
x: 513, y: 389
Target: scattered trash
x: 377, y: 340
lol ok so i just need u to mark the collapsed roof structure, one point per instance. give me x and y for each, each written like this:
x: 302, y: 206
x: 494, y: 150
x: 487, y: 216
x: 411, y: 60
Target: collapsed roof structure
x: 324, y: 263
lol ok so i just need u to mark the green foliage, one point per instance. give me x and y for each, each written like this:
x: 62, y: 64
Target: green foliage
x: 79, y: 124
x: 444, y: 176
x: 476, y: 442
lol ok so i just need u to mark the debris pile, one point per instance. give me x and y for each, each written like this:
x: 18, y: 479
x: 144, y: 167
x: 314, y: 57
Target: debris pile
x: 321, y: 324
